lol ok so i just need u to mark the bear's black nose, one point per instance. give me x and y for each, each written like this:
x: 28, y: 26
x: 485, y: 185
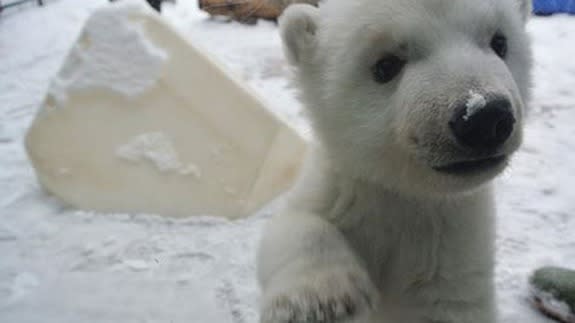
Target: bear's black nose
x: 481, y: 124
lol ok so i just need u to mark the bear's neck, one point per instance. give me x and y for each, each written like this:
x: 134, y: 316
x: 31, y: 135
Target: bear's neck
x: 414, y: 236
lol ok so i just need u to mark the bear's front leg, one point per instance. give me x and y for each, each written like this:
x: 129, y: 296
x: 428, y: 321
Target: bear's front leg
x: 309, y: 274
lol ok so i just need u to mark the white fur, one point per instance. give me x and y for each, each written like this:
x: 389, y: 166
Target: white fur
x: 373, y: 233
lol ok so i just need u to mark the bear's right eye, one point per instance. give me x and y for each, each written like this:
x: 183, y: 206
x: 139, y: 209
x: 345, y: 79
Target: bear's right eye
x: 387, y: 68
x: 499, y: 45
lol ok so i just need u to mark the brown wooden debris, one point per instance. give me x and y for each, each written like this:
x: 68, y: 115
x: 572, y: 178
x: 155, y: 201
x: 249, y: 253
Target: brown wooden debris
x: 247, y: 11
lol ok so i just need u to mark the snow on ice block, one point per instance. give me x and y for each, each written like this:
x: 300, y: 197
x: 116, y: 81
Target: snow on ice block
x: 139, y: 120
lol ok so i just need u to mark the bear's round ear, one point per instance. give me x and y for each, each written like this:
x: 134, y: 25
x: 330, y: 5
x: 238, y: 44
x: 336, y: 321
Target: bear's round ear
x: 298, y: 27
x: 525, y: 7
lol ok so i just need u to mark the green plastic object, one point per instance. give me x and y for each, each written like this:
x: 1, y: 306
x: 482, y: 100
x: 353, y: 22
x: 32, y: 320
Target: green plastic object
x: 558, y: 281
x: 554, y: 290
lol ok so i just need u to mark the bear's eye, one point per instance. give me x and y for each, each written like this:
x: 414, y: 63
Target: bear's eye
x: 387, y: 68
x: 499, y: 45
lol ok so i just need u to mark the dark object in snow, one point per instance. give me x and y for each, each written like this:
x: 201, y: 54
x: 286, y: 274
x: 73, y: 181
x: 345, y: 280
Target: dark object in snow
x: 549, y: 7
x: 554, y: 292
x: 18, y: 2
x: 244, y: 11
x: 249, y: 11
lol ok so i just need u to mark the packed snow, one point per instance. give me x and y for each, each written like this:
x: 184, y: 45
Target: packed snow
x: 113, y: 54
x: 154, y: 147
x: 475, y: 102
x: 60, y: 265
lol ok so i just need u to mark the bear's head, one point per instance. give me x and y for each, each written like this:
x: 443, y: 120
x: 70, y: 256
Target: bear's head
x: 423, y: 96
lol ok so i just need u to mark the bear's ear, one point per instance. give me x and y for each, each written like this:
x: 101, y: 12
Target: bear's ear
x: 525, y: 7
x: 298, y: 27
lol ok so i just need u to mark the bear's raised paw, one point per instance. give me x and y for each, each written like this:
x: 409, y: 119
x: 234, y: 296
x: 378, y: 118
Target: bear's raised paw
x: 325, y: 297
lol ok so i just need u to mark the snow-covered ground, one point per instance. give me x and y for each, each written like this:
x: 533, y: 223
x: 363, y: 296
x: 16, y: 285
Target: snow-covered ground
x: 60, y: 265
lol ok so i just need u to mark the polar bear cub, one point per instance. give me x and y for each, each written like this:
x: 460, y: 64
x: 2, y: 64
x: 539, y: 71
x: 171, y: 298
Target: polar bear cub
x: 416, y: 106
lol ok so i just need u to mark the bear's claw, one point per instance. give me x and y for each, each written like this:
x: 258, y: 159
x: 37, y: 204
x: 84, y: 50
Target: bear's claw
x: 333, y: 298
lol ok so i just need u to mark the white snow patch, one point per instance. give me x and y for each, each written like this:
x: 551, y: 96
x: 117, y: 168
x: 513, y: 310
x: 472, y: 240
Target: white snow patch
x: 154, y: 147
x: 23, y: 285
x: 113, y: 53
x: 137, y: 264
x: 475, y: 102
x: 157, y: 148
x: 191, y: 169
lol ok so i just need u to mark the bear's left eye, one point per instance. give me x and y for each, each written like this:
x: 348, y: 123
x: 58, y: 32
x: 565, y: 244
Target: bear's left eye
x: 499, y: 45
x: 387, y: 68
